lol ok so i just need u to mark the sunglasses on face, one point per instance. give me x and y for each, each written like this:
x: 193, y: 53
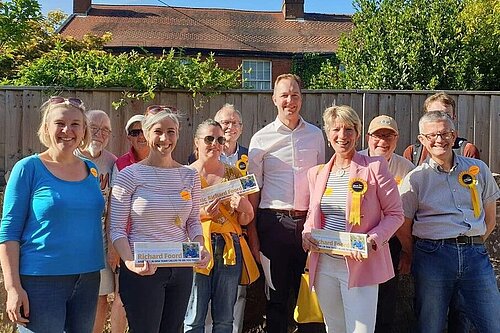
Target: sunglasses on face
x: 73, y: 101
x: 154, y: 109
x: 135, y: 132
x: 209, y: 140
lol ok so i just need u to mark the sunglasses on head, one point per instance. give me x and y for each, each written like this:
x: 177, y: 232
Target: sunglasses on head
x: 135, y: 132
x: 73, y: 101
x: 209, y: 139
x: 154, y: 109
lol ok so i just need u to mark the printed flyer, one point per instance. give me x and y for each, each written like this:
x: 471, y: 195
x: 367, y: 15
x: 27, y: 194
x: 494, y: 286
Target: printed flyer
x: 167, y: 254
x: 243, y: 185
x: 341, y: 243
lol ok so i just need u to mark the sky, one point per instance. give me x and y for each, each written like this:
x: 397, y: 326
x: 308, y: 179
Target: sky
x: 311, y: 6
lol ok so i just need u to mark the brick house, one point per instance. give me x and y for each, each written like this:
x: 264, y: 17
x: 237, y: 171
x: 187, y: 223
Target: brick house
x: 262, y: 40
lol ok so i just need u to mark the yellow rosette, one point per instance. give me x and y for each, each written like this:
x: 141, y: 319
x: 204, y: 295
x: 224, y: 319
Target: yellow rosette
x: 468, y: 179
x: 242, y: 164
x: 93, y: 171
x: 358, y: 187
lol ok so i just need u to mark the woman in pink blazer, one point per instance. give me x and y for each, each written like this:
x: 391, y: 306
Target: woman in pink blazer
x: 347, y: 286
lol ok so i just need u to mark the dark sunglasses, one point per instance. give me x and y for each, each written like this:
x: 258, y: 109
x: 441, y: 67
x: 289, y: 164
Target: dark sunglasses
x: 135, y: 132
x: 209, y: 139
x: 76, y: 102
x: 154, y: 109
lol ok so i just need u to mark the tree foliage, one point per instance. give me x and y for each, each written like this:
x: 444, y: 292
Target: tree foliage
x: 418, y: 44
x: 32, y: 53
x: 309, y: 64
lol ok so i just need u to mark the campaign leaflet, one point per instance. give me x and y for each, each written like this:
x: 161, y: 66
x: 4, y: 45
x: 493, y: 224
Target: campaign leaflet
x: 167, y: 254
x: 243, y: 185
x: 341, y: 243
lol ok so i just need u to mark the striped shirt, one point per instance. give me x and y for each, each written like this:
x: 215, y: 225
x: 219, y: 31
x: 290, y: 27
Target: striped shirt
x: 163, y: 204
x: 334, y: 201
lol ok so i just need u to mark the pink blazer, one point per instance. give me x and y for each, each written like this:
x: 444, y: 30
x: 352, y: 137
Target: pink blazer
x: 381, y: 216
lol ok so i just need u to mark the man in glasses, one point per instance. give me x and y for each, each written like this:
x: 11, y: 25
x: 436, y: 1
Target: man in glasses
x: 382, y: 139
x: 449, y: 205
x: 440, y: 102
x: 100, y: 129
x: 280, y: 155
x: 417, y: 153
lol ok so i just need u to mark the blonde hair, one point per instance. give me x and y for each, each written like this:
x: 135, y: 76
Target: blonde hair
x: 441, y: 97
x: 45, y: 109
x: 151, y: 119
x: 344, y: 113
x: 293, y: 77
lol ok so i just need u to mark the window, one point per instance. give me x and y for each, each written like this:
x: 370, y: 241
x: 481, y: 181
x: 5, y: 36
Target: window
x: 257, y: 74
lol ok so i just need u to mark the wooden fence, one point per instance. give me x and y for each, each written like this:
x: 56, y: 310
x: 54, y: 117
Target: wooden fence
x: 478, y: 116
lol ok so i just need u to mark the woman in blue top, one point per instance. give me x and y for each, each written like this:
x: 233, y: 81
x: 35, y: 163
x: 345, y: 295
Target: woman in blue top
x: 50, y: 235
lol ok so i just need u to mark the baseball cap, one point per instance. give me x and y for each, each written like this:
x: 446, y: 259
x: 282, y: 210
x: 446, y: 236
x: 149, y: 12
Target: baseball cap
x: 383, y: 122
x: 133, y: 119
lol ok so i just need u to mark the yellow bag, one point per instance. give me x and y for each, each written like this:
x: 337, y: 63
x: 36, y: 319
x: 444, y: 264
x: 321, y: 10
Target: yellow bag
x: 307, y: 309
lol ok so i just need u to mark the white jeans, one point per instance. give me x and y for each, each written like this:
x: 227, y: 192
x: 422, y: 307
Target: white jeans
x: 345, y: 310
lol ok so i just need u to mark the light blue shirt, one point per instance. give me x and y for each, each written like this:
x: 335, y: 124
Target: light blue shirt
x: 440, y: 206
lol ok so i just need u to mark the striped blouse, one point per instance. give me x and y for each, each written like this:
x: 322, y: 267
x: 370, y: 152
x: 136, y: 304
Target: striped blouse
x: 163, y: 204
x: 334, y: 201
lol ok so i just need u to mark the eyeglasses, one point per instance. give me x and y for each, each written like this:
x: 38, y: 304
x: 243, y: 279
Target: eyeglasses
x: 386, y: 137
x: 73, y: 101
x: 226, y: 123
x: 154, y: 109
x: 135, y: 132
x: 434, y: 136
x: 104, y: 131
x: 209, y: 140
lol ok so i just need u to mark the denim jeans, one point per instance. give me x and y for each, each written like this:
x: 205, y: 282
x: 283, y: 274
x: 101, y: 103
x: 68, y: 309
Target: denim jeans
x: 220, y: 287
x: 444, y: 271
x: 61, y: 303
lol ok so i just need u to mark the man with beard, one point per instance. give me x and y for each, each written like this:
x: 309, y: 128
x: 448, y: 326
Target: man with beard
x: 100, y: 128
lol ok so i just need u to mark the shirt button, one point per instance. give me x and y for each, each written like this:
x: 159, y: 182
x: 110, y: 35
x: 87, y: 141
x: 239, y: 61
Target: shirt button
x: 454, y: 190
x: 458, y: 206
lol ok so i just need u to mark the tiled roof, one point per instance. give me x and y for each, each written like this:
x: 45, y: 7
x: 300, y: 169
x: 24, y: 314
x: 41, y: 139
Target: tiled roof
x: 211, y: 29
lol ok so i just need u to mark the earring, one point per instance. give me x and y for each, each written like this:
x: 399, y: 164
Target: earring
x: 329, y: 144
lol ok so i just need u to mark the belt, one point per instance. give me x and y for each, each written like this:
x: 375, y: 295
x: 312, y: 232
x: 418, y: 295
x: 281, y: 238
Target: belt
x: 288, y: 212
x: 465, y: 240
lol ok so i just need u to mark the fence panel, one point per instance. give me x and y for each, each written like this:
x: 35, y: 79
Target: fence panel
x: 478, y: 116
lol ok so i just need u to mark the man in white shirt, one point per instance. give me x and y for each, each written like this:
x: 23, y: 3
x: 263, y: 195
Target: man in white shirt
x: 280, y: 155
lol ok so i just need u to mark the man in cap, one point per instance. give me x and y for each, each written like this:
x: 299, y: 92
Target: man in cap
x: 382, y: 139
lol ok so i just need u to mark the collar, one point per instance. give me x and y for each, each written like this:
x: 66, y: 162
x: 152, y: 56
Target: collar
x: 278, y: 125
x: 434, y: 165
x: 235, y: 152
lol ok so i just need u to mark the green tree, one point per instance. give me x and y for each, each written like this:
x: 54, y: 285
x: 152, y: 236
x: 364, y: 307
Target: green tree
x: 416, y: 44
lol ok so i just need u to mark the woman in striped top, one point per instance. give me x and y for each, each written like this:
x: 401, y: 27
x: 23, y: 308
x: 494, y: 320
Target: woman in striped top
x: 221, y: 221
x: 161, y: 198
x: 352, y: 193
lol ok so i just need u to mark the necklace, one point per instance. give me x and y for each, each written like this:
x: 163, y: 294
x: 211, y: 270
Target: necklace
x: 341, y: 171
x: 177, y: 219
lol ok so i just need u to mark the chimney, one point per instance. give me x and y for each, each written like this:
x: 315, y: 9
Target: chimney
x: 293, y: 9
x: 81, y: 6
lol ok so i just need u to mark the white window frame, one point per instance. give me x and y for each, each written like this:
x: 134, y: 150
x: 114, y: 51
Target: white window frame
x: 259, y: 81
